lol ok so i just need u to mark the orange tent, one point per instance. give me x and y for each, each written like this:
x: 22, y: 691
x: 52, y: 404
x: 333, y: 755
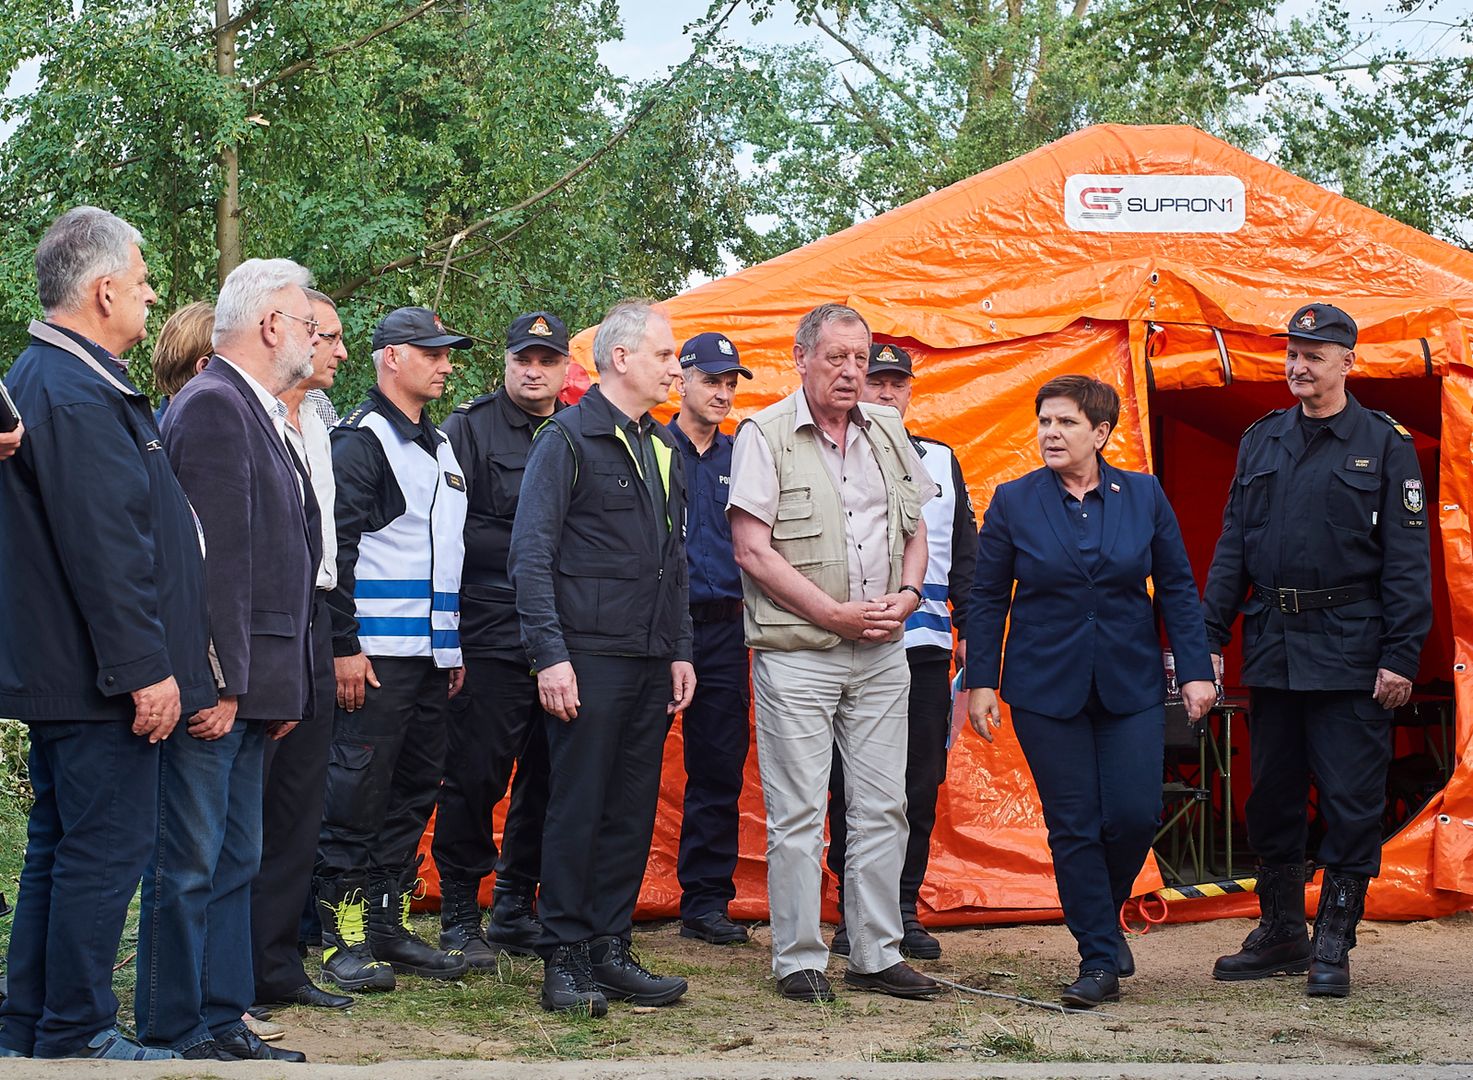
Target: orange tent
x: 1159, y: 259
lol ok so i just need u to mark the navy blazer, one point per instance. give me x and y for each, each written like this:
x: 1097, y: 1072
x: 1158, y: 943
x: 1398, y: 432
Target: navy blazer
x: 262, y: 544
x: 1073, y: 625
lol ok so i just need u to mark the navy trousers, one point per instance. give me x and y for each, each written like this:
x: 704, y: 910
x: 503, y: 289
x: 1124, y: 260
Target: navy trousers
x: 604, y: 784
x: 495, y: 723
x: 1343, y: 740
x: 90, y: 836
x: 1099, y: 778
x: 717, y: 732
x: 925, y: 768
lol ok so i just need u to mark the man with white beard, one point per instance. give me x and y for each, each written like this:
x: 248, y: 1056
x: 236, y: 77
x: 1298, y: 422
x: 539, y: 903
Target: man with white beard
x: 260, y: 526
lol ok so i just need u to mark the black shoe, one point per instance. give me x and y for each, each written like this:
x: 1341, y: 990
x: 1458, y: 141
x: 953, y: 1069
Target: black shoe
x: 806, y: 985
x: 1091, y: 988
x: 898, y: 980
x: 514, y: 927
x: 715, y: 927
x: 621, y: 977
x: 244, y: 1046
x: 918, y: 944
x: 346, y: 958
x: 1328, y: 980
x: 567, y: 982
x: 209, y: 1050
x: 1342, y: 901
x: 1278, y: 945
x: 1124, y: 959
x: 391, y: 936
x: 460, y: 923
x: 839, y: 946
x: 309, y: 995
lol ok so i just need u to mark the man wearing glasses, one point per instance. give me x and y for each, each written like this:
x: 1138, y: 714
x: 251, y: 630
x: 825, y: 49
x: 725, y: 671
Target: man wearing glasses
x: 400, y: 514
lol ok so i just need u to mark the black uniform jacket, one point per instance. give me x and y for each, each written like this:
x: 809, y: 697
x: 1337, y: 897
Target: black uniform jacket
x: 1347, y: 507
x: 491, y: 437
x: 102, y: 583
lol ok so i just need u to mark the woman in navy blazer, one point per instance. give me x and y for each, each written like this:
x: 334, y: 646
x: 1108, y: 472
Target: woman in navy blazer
x: 1068, y: 549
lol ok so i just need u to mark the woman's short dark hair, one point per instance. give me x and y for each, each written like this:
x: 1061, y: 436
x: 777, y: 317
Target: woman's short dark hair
x: 1097, y: 400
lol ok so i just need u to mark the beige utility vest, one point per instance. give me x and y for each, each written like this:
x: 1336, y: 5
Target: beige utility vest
x: 811, y: 530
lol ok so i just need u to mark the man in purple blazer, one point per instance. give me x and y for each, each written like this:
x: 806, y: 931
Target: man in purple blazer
x: 224, y: 433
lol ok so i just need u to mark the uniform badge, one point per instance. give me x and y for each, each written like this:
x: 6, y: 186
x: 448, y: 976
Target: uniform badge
x: 540, y: 328
x: 455, y: 481
x: 1411, y: 495
x: 439, y: 325
x: 1307, y: 320
x: 1360, y: 464
x: 887, y: 356
x: 1114, y: 487
x: 153, y: 444
x: 724, y: 345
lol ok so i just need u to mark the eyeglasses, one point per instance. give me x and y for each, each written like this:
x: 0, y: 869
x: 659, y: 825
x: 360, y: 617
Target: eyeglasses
x: 312, y: 324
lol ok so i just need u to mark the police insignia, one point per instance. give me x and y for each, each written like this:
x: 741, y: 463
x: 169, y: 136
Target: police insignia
x: 540, y: 328
x: 455, y: 481
x: 1411, y: 495
x: 724, y: 345
x: 1307, y: 320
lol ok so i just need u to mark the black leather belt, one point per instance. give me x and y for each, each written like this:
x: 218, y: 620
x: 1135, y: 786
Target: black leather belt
x: 1293, y: 601
x: 716, y: 611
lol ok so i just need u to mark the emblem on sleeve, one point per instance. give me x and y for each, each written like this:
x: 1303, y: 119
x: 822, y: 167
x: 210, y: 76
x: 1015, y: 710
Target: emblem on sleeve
x: 1411, y: 495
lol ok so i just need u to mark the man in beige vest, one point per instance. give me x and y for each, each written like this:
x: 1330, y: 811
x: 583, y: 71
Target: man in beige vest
x: 825, y: 511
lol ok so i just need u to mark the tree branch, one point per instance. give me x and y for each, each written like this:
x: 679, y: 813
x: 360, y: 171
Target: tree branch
x: 348, y: 46
x: 1254, y: 85
x: 405, y: 262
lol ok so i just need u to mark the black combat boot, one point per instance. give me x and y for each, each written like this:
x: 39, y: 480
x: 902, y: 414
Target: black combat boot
x: 1342, y: 902
x: 460, y: 922
x: 917, y: 944
x: 514, y: 926
x: 567, y: 982
x: 346, y: 958
x: 1279, y: 944
x: 620, y: 976
x: 392, y: 938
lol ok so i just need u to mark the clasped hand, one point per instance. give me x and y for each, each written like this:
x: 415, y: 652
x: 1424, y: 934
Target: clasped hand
x: 874, y: 620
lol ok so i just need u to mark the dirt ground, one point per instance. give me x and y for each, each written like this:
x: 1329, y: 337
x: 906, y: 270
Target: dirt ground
x: 1412, y: 1003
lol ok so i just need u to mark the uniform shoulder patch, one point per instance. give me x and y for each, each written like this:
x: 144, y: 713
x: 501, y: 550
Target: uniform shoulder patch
x: 1261, y: 419
x: 353, y: 418
x: 1388, y: 418
x: 474, y: 403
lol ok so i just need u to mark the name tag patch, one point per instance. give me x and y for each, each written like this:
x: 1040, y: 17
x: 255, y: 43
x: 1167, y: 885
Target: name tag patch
x: 456, y: 481
x: 1361, y: 464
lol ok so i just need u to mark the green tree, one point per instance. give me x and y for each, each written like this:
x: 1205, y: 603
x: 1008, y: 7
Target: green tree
x: 476, y: 156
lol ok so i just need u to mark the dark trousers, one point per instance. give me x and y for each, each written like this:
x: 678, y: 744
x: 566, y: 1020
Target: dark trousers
x: 383, y: 771
x: 89, y: 838
x: 717, y: 733
x: 604, y: 783
x: 495, y: 723
x: 925, y: 769
x: 1099, y: 778
x: 194, y: 931
x: 1342, y: 739
x: 293, y: 782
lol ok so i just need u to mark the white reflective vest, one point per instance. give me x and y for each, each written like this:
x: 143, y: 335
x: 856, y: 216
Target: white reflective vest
x: 930, y: 624
x: 407, y: 593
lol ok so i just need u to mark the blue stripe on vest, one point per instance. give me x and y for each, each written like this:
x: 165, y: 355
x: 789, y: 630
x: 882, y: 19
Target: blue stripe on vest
x: 935, y: 592
x: 385, y: 626
x: 392, y: 589
x: 924, y: 620
x: 445, y: 639
x: 447, y: 601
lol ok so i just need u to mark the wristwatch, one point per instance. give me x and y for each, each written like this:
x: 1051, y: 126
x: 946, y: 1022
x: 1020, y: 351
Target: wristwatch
x: 912, y: 589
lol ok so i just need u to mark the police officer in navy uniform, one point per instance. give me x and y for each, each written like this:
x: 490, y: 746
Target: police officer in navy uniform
x: 1324, y: 552
x: 716, y: 724
x: 400, y: 517
x: 496, y: 721
x: 951, y: 543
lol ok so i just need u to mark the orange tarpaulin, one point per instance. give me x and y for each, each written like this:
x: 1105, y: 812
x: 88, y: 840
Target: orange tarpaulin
x: 1160, y: 260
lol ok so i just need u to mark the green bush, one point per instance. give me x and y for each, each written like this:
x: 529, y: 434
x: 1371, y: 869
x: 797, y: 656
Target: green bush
x: 15, y: 748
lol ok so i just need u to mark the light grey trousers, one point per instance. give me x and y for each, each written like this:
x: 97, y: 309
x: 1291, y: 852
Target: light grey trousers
x: 853, y: 695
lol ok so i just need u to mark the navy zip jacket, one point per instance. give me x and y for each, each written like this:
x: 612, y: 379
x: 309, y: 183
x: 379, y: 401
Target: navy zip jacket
x: 102, y: 582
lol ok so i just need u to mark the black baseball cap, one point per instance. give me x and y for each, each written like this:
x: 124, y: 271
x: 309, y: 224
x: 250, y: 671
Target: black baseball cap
x: 889, y: 358
x: 416, y: 326
x: 712, y: 353
x: 1322, y: 322
x: 537, y: 328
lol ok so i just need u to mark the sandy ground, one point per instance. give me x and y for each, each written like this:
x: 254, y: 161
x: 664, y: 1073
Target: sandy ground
x: 1410, y: 1015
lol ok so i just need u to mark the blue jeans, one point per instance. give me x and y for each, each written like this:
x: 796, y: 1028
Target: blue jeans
x: 90, y: 833
x: 1099, y: 779
x: 194, y: 939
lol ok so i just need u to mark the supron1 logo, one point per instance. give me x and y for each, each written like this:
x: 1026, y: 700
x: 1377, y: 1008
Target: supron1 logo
x: 1100, y: 203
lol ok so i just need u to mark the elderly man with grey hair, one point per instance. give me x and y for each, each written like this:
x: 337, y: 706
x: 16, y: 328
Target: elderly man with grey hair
x: 598, y: 563
x: 825, y: 510
x: 106, y: 642
x: 225, y: 436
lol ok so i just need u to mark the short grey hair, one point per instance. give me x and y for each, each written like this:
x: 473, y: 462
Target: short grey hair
x: 82, y: 245
x: 623, y: 326
x: 246, y: 295
x: 321, y: 298
x: 378, y: 359
x: 812, y: 324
